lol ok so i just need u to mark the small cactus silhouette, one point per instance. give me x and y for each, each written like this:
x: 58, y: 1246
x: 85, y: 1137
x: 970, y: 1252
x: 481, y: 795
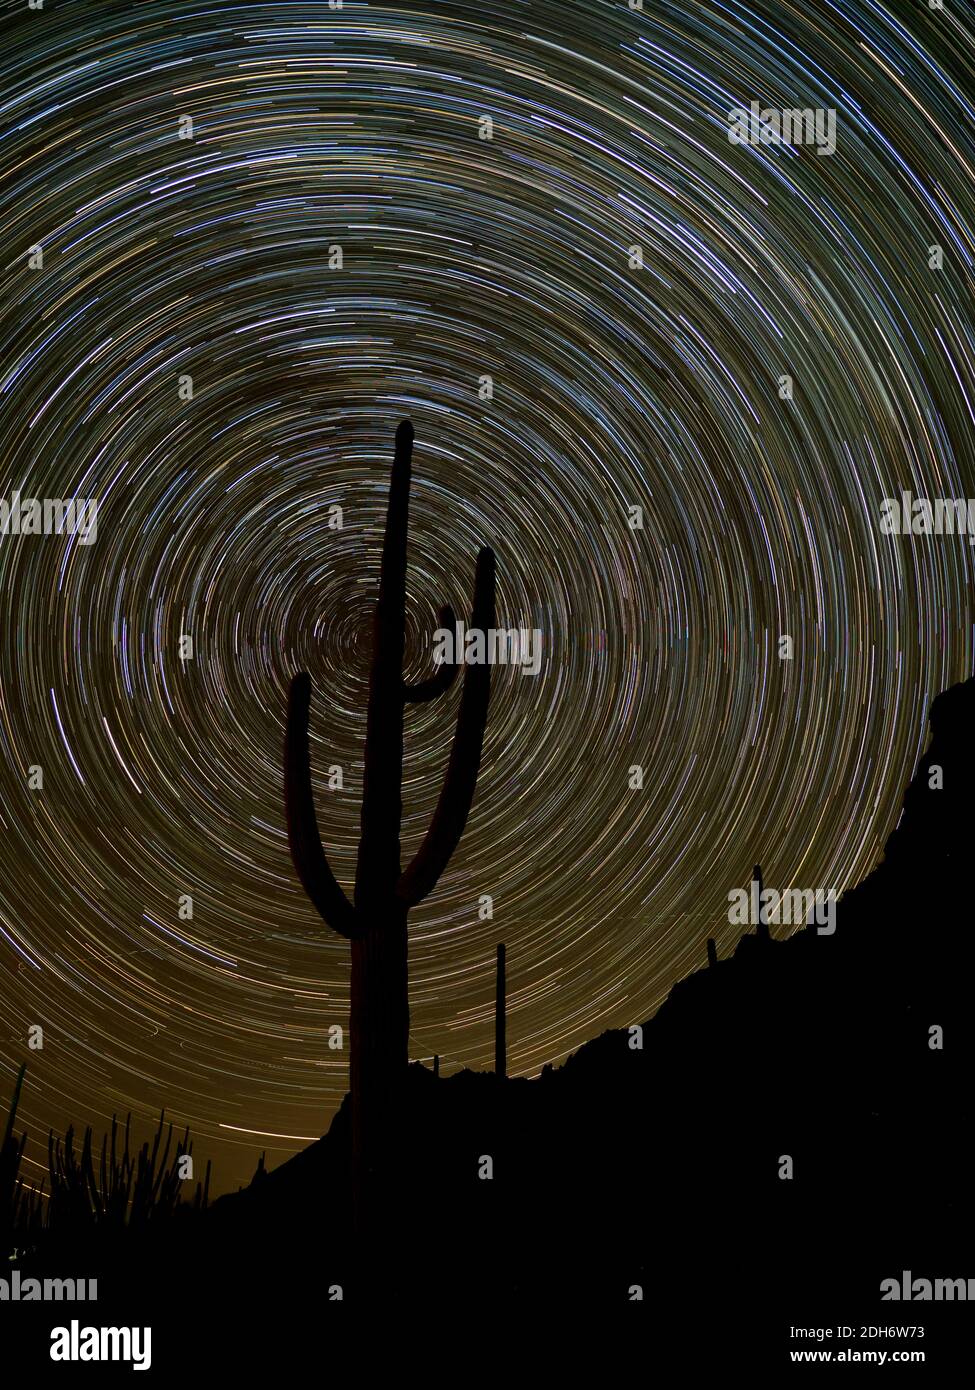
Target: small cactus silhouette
x: 761, y: 926
x: 375, y: 922
x: 500, y: 1018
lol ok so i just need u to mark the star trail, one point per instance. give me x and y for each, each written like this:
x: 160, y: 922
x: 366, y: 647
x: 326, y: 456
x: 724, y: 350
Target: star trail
x: 241, y: 242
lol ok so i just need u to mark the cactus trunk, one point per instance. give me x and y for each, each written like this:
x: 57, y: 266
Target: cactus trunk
x: 379, y: 1038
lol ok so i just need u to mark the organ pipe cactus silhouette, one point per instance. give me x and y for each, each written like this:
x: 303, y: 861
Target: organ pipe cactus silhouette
x: 375, y: 922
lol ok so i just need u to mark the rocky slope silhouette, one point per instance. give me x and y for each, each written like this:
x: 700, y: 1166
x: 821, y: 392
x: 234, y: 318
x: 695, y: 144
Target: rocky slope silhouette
x: 653, y: 1174
x: 658, y: 1168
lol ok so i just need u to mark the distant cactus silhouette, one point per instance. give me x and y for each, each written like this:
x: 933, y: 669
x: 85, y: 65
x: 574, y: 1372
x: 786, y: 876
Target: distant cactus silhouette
x: 117, y: 1191
x: 122, y: 1189
x: 500, y: 1019
x: 761, y: 926
x: 375, y: 923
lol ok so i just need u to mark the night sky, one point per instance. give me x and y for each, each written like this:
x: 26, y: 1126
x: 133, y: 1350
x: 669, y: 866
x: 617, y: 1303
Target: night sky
x: 613, y: 387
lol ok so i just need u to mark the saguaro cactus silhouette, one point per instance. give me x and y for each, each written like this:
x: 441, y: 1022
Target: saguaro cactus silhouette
x: 375, y: 922
x: 500, y: 1018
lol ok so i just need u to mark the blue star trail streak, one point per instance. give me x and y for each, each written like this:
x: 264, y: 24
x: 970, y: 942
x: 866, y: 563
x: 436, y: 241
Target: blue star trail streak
x: 359, y: 130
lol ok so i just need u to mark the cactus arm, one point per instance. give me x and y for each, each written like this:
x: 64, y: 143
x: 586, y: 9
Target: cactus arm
x: 442, y: 679
x: 457, y: 794
x: 307, y: 854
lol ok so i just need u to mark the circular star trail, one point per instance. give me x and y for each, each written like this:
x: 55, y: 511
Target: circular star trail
x: 269, y: 232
